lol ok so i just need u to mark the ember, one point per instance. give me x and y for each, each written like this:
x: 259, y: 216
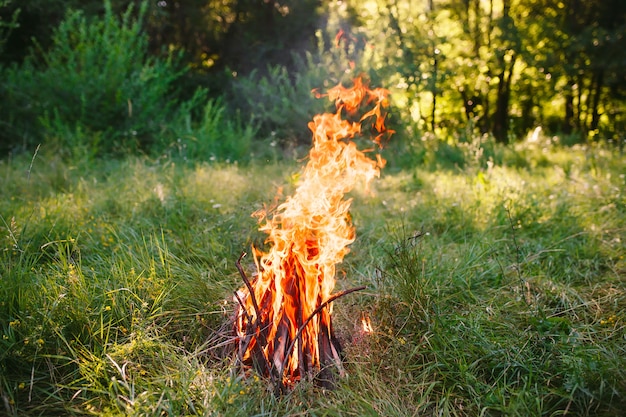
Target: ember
x: 283, y: 320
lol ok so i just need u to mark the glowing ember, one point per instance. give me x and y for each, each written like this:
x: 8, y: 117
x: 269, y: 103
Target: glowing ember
x: 283, y: 322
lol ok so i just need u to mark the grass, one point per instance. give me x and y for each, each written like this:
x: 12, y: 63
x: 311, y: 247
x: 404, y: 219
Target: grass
x: 495, y: 289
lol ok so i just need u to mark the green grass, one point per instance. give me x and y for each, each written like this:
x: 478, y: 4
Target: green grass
x: 495, y: 289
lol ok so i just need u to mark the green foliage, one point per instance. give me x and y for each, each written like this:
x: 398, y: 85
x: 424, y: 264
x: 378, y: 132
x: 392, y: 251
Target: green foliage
x: 280, y: 101
x: 105, y: 82
x: 95, y: 89
x: 504, y: 67
x: 500, y: 68
x: 98, y: 92
x: 477, y: 151
x: 215, y: 136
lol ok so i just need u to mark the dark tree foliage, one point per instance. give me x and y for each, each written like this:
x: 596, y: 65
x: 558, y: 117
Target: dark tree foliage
x: 36, y: 21
x: 215, y: 34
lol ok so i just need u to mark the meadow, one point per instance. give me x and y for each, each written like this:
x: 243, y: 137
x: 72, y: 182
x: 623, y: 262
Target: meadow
x: 496, y: 285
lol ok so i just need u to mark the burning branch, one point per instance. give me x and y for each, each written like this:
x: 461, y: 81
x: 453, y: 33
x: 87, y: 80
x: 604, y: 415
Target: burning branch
x: 254, y: 328
x: 316, y: 311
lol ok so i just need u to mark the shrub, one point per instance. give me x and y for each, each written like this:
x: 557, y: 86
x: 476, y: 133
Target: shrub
x: 279, y: 99
x: 280, y: 105
x: 215, y: 136
x: 96, y: 87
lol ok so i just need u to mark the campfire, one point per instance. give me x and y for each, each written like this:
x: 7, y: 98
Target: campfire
x: 283, y: 316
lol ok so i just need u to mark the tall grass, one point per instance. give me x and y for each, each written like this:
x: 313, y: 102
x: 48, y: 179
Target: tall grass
x: 496, y: 289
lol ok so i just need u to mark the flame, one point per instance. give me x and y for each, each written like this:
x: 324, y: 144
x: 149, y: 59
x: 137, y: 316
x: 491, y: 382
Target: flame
x: 308, y: 235
x: 366, y: 324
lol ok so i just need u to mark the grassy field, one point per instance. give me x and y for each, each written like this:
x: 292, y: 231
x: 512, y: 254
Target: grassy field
x: 495, y: 288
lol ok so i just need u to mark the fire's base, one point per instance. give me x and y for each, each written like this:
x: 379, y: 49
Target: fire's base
x: 324, y: 375
x: 285, y: 349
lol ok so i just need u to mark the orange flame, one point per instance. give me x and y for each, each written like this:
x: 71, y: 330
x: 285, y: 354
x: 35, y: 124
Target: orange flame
x: 366, y: 324
x: 309, y: 234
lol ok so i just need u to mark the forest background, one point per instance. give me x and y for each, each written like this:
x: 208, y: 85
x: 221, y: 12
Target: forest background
x: 123, y: 76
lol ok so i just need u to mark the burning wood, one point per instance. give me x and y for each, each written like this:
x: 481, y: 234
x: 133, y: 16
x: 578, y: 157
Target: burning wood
x: 283, y: 319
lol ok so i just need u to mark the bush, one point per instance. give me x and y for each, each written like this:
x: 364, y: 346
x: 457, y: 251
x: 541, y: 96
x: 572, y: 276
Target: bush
x: 279, y: 99
x: 280, y: 105
x: 215, y: 136
x: 95, y: 88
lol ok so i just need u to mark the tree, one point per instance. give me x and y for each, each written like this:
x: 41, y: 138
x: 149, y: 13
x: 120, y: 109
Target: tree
x: 580, y: 45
